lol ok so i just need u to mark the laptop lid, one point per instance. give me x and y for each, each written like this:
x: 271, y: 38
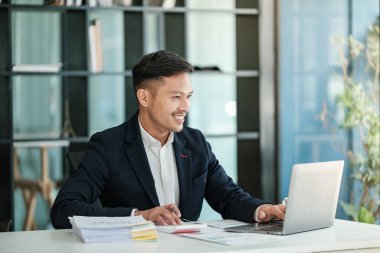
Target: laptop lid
x: 312, y: 200
x: 313, y: 196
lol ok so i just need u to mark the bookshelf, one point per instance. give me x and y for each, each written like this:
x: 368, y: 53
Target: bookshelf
x: 128, y: 32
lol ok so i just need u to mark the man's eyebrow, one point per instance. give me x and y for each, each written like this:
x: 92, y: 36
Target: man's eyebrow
x: 180, y: 92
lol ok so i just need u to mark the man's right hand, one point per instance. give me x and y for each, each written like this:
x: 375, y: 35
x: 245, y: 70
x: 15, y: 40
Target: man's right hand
x: 162, y: 215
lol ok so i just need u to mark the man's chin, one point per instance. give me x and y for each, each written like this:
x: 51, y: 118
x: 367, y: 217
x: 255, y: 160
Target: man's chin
x: 177, y: 129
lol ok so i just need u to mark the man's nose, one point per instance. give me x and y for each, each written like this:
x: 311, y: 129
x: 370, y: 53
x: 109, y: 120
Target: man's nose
x: 185, y: 105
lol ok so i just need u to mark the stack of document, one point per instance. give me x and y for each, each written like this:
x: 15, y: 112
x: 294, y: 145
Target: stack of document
x: 111, y: 229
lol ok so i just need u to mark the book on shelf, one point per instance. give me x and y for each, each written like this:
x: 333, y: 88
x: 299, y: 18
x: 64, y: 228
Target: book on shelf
x: 54, y: 2
x: 122, y: 2
x: 70, y: 2
x: 113, y: 229
x: 96, y: 46
x: 32, y: 68
x: 92, y: 3
x: 168, y: 4
x: 105, y: 3
x: 162, y: 3
x: 62, y: 2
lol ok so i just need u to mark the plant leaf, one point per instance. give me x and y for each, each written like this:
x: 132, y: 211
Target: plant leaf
x: 366, y: 216
x: 350, y: 210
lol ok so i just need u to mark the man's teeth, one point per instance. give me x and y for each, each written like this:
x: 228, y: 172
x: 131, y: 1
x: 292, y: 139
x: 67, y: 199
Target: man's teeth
x: 179, y: 117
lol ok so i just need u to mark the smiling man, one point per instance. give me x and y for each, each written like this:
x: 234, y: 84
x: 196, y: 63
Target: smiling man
x: 154, y: 166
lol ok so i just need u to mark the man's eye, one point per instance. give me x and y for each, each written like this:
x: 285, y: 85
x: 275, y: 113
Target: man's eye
x: 176, y: 97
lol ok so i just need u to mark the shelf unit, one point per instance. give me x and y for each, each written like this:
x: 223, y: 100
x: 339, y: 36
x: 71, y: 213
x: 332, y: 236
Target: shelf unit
x: 172, y: 28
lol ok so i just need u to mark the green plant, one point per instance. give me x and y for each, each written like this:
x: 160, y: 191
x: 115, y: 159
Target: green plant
x: 360, y: 102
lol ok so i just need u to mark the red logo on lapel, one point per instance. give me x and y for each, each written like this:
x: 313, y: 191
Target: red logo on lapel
x: 183, y: 155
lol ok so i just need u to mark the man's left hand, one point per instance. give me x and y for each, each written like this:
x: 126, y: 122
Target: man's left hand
x: 268, y: 212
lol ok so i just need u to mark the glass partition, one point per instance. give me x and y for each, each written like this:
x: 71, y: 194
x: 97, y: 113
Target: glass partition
x: 36, y: 100
x: 225, y: 150
x: 310, y: 81
x: 37, y: 107
x: 106, y: 102
x: 153, y: 33
x: 212, y: 48
x: 27, y: 48
x: 213, y: 44
x: 213, y: 107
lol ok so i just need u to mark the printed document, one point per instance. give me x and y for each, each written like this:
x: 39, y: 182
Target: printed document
x: 111, y: 229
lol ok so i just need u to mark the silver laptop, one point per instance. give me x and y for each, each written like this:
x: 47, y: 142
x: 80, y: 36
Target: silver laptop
x: 312, y: 200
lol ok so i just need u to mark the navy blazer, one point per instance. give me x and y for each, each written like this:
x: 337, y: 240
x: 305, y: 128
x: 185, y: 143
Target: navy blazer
x: 115, y: 169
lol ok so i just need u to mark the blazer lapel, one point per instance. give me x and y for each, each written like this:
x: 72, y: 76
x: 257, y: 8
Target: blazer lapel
x: 183, y: 160
x: 135, y: 152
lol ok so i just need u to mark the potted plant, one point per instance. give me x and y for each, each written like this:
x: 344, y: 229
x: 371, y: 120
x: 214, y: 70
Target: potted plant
x: 359, y: 101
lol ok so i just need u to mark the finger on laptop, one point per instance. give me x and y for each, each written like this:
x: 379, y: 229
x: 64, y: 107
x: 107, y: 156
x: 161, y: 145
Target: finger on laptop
x: 268, y: 212
x: 280, y: 211
x: 264, y: 213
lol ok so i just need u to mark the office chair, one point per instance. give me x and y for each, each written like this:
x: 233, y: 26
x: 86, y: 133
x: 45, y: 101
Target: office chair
x: 74, y: 158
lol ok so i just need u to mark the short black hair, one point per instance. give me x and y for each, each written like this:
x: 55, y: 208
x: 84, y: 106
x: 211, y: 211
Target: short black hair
x: 159, y: 64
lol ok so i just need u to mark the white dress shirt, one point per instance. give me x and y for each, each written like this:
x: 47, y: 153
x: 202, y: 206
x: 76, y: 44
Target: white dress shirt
x: 163, y: 166
x: 164, y: 169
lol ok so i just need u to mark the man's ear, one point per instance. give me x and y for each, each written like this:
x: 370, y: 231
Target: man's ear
x: 144, y: 97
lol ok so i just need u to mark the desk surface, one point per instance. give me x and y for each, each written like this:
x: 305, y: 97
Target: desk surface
x: 344, y: 235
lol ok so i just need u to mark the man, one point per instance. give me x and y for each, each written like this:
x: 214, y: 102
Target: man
x: 152, y: 165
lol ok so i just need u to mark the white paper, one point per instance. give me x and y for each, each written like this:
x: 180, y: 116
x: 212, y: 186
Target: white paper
x: 108, y: 222
x: 217, y: 235
x: 111, y: 229
x: 228, y: 223
x: 183, y: 228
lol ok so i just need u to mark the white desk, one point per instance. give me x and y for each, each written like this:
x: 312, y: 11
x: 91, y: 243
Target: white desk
x: 344, y: 235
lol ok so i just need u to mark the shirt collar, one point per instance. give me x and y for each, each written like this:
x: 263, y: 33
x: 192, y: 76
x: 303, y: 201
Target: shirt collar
x: 149, y: 140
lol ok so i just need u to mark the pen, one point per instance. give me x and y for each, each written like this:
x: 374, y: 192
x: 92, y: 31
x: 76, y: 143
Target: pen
x: 182, y: 219
x: 192, y: 221
x: 185, y: 220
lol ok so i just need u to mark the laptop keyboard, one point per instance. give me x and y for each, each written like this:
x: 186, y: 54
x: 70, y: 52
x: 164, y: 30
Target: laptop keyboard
x: 263, y: 227
x: 277, y: 227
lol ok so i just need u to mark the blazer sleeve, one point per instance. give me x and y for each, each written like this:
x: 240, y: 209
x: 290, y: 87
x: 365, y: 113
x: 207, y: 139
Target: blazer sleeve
x: 226, y: 197
x: 79, y: 194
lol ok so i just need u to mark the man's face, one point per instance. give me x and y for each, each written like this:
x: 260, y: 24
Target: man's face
x: 169, y: 105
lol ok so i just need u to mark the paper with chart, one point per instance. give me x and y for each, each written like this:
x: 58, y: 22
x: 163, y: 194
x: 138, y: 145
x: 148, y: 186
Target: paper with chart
x: 218, y: 235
